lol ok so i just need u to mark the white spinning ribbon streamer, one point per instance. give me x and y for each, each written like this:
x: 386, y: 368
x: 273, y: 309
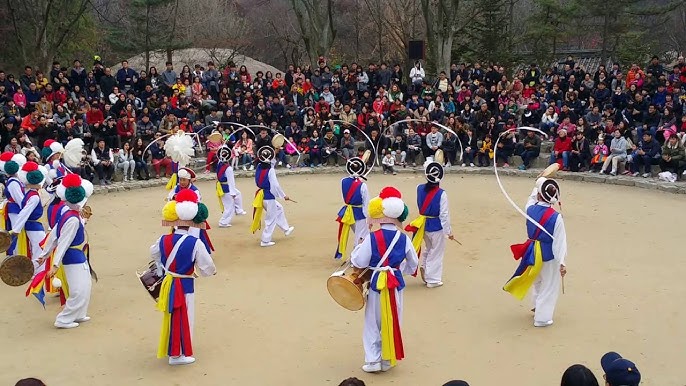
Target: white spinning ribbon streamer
x: 500, y: 184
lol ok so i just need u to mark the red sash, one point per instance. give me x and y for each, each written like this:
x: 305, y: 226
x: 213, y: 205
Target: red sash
x: 353, y: 187
x: 427, y: 200
x: 222, y: 171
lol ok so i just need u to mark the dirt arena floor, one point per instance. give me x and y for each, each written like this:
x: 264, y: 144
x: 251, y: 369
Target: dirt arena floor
x: 267, y: 319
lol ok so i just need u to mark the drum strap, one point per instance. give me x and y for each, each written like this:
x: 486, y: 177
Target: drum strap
x: 388, y: 251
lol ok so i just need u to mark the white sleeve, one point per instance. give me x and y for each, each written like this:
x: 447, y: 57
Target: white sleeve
x: 16, y: 193
x: 156, y: 256
x: 94, y: 158
x: 111, y: 156
x: 445, y: 214
x: 24, y: 213
x: 171, y: 194
x: 533, y: 198
x: 231, y: 181
x: 203, y: 260
x: 67, y: 234
x: 275, y: 188
x: 365, y: 200
x: 560, y: 240
x: 361, y: 255
x: 411, y: 262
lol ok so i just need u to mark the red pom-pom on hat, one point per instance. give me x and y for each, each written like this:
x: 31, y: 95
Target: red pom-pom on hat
x: 71, y: 180
x: 48, y: 142
x: 30, y: 166
x: 388, y: 192
x: 6, y: 156
x: 186, y: 195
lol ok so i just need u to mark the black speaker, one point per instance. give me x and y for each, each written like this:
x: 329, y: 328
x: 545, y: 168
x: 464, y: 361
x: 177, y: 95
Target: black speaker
x: 416, y: 49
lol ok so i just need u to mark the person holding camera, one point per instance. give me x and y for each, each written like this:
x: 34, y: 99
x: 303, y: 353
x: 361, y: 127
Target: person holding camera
x: 104, y: 162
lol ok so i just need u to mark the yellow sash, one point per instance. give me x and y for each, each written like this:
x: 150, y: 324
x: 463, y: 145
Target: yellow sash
x: 172, y: 182
x: 163, y: 305
x: 220, y: 194
x: 347, y: 221
x: 387, y: 340
x: 420, y: 224
x: 518, y: 286
x: 3, y: 223
x: 23, y: 244
x: 258, y: 205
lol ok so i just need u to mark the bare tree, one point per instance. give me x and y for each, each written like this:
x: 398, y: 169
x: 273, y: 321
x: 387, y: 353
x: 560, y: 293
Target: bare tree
x: 442, y: 24
x: 316, y: 22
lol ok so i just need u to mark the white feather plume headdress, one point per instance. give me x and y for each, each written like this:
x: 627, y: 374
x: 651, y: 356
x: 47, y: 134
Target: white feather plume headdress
x: 73, y: 152
x: 180, y: 148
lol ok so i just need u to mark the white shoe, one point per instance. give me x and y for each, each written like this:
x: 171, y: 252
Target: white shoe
x: 645, y: 175
x: 125, y: 179
x: 66, y: 325
x: 267, y: 244
x: 543, y: 324
x: 225, y: 226
x: 372, y: 367
x: 471, y: 164
x: 181, y: 360
x: 434, y: 285
x: 463, y: 165
x: 280, y: 163
x: 289, y: 231
x: 244, y: 168
x: 684, y: 173
x: 252, y: 167
x: 242, y: 213
x: 386, y: 365
x: 84, y: 319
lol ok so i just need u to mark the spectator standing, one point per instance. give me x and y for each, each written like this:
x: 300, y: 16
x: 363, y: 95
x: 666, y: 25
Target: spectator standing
x: 168, y: 79
x: 126, y: 77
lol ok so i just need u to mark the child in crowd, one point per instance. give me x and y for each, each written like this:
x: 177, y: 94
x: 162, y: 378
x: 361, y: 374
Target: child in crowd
x: 600, y: 153
x: 388, y: 162
x: 304, y: 149
x: 291, y: 152
x: 485, y: 154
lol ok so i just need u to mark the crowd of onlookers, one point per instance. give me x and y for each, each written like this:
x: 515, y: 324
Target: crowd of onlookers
x: 621, y: 117
x: 618, y: 371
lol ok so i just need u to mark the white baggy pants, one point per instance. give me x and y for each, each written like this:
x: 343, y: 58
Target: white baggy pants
x: 371, y: 335
x: 273, y: 217
x: 229, y: 210
x: 432, y: 256
x: 361, y: 230
x: 35, y: 238
x: 546, y: 290
x: 79, y: 282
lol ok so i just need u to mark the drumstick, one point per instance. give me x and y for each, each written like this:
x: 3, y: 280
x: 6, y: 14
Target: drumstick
x: 563, y: 285
x: 455, y: 240
x: 292, y: 200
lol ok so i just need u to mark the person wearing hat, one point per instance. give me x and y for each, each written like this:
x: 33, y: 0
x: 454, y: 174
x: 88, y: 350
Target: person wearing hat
x: 70, y: 259
x: 542, y: 256
x: 230, y: 198
x: 354, y: 214
x: 388, y: 254
x: 27, y: 225
x: 177, y: 255
x: 186, y: 178
x: 433, y: 224
x: 52, y: 153
x: 268, y: 190
x: 10, y: 163
x: 619, y: 371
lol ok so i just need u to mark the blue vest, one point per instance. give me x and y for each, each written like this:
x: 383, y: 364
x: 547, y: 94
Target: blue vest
x: 191, y: 187
x: 33, y: 223
x: 60, y: 171
x: 433, y: 210
x: 355, y: 200
x: 76, y: 252
x: 55, y: 211
x: 394, y: 259
x: 262, y: 181
x: 184, y: 262
x: 12, y: 205
x: 221, y: 176
x: 536, y: 212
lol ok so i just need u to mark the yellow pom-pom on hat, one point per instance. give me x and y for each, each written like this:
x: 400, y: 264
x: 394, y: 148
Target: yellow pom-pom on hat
x: 169, y: 212
x: 376, y: 207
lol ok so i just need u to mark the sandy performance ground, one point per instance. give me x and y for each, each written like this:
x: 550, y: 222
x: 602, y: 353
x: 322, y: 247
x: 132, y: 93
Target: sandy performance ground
x: 267, y: 319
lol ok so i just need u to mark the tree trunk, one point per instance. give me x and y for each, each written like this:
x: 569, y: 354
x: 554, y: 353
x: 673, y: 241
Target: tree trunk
x: 147, y: 37
x: 603, y: 51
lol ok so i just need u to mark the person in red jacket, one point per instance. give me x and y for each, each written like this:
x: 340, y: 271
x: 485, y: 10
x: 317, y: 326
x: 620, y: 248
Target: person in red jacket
x: 561, y: 149
x: 94, y: 116
x: 126, y: 128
